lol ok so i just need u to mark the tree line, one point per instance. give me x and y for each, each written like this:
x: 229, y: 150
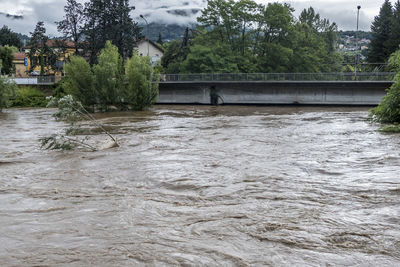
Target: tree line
x: 243, y: 36
x: 124, y: 84
x: 385, y: 33
x: 88, y: 26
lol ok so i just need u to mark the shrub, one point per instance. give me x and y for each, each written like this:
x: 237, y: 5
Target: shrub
x: 29, y: 97
x: 7, y: 89
x: 79, y: 81
x: 388, y: 111
x: 108, y: 75
x: 142, y: 88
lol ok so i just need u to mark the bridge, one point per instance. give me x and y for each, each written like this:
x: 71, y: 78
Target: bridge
x: 344, y: 88
x: 275, y: 88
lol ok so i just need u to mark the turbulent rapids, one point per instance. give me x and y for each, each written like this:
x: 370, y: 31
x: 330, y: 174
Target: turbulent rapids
x: 201, y: 185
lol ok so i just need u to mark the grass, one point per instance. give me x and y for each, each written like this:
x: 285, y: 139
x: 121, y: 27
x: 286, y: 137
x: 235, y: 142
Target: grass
x: 395, y: 128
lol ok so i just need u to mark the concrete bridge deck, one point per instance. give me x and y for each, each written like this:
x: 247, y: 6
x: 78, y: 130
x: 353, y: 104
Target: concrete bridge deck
x: 277, y: 92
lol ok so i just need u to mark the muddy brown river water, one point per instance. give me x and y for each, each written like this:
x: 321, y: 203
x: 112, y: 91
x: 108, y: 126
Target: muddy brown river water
x: 203, y: 186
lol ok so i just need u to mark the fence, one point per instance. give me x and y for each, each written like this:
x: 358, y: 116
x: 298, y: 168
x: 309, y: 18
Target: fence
x: 341, y: 76
x: 39, y: 80
x: 225, y: 77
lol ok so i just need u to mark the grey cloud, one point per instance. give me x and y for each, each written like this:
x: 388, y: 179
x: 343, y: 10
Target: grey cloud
x: 184, y: 12
x: 11, y: 16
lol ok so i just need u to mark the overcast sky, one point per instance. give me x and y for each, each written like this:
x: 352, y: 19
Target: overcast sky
x: 26, y: 13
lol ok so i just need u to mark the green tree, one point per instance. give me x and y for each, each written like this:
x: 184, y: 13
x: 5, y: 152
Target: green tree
x: 388, y: 111
x: 394, y: 36
x: 379, y: 49
x: 79, y: 81
x: 142, y: 87
x: 40, y: 53
x: 7, y: 89
x: 8, y: 37
x: 159, y: 40
x: 108, y: 76
x: 206, y: 59
x: 109, y: 20
x: 273, y: 49
x: 231, y: 22
x: 72, y: 24
x: 6, y: 59
x: 175, y: 53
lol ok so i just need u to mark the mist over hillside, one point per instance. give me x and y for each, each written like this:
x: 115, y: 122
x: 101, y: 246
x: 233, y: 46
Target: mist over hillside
x: 173, y: 12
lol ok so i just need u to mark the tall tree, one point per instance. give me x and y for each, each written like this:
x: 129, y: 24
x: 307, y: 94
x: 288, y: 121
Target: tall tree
x: 142, y: 87
x: 6, y: 60
x: 379, y: 50
x: 108, y: 75
x: 394, y: 37
x: 10, y: 38
x: 109, y: 20
x: 71, y: 25
x: 159, y: 40
x: 39, y: 51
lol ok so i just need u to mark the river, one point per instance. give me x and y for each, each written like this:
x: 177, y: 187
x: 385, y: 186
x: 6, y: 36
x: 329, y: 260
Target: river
x: 203, y: 185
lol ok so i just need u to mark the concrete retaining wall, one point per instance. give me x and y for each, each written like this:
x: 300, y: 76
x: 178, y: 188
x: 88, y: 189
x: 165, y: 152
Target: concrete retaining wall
x: 311, y: 93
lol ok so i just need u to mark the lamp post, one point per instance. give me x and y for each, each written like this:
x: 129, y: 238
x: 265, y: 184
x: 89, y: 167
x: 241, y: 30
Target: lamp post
x: 147, y: 33
x: 357, y: 57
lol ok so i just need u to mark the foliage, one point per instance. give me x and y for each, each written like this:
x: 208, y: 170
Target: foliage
x: 29, y: 97
x: 110, y: 84
x: 390, y: 129
x: 7, y: 89
x: 68, y: 109
x: 142, y: 87
x: 40, y: 53
x: 6, y: 60
x: 159, y: 39
x: 394, y: 36
x: 72, y: 24
x: 73, y: 112
x: 10, y: 38
x: 388, y: 111
x: 379, y: 50
x: 175, y: 53
x: 243, y: 36
x: 109, y: 20
x: 108, y: 76
x: 79, y: 81
x: 204, y: 59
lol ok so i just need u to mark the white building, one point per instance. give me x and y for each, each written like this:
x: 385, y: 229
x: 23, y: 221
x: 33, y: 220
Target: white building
x: 147, y: 47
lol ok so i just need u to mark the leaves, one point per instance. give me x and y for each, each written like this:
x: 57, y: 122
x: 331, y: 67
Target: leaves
x: 388, y: 111
x: 7, y: 89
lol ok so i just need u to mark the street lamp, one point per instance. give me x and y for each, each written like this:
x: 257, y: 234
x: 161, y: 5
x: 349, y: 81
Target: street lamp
x: 357, y: 58
x: 147, y: 33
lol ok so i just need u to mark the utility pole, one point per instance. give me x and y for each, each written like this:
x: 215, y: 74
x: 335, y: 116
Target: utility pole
x: 357, y: 57
x: 147, y: 33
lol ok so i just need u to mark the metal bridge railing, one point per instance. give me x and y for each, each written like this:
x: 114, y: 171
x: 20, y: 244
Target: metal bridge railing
x: 338, y: 76
x: 38, y: 80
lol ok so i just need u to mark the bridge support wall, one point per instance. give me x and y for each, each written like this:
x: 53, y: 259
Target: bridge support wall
x: 309, y: 93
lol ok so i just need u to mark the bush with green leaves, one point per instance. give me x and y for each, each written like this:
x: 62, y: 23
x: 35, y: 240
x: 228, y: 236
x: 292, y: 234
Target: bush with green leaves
x: 141, y: 90
x: 79, y: 81
x: 7, y: 90
x: 29, y: 97
x: 108, y: 83
x: 388, y: 111
x: 109, y: 76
